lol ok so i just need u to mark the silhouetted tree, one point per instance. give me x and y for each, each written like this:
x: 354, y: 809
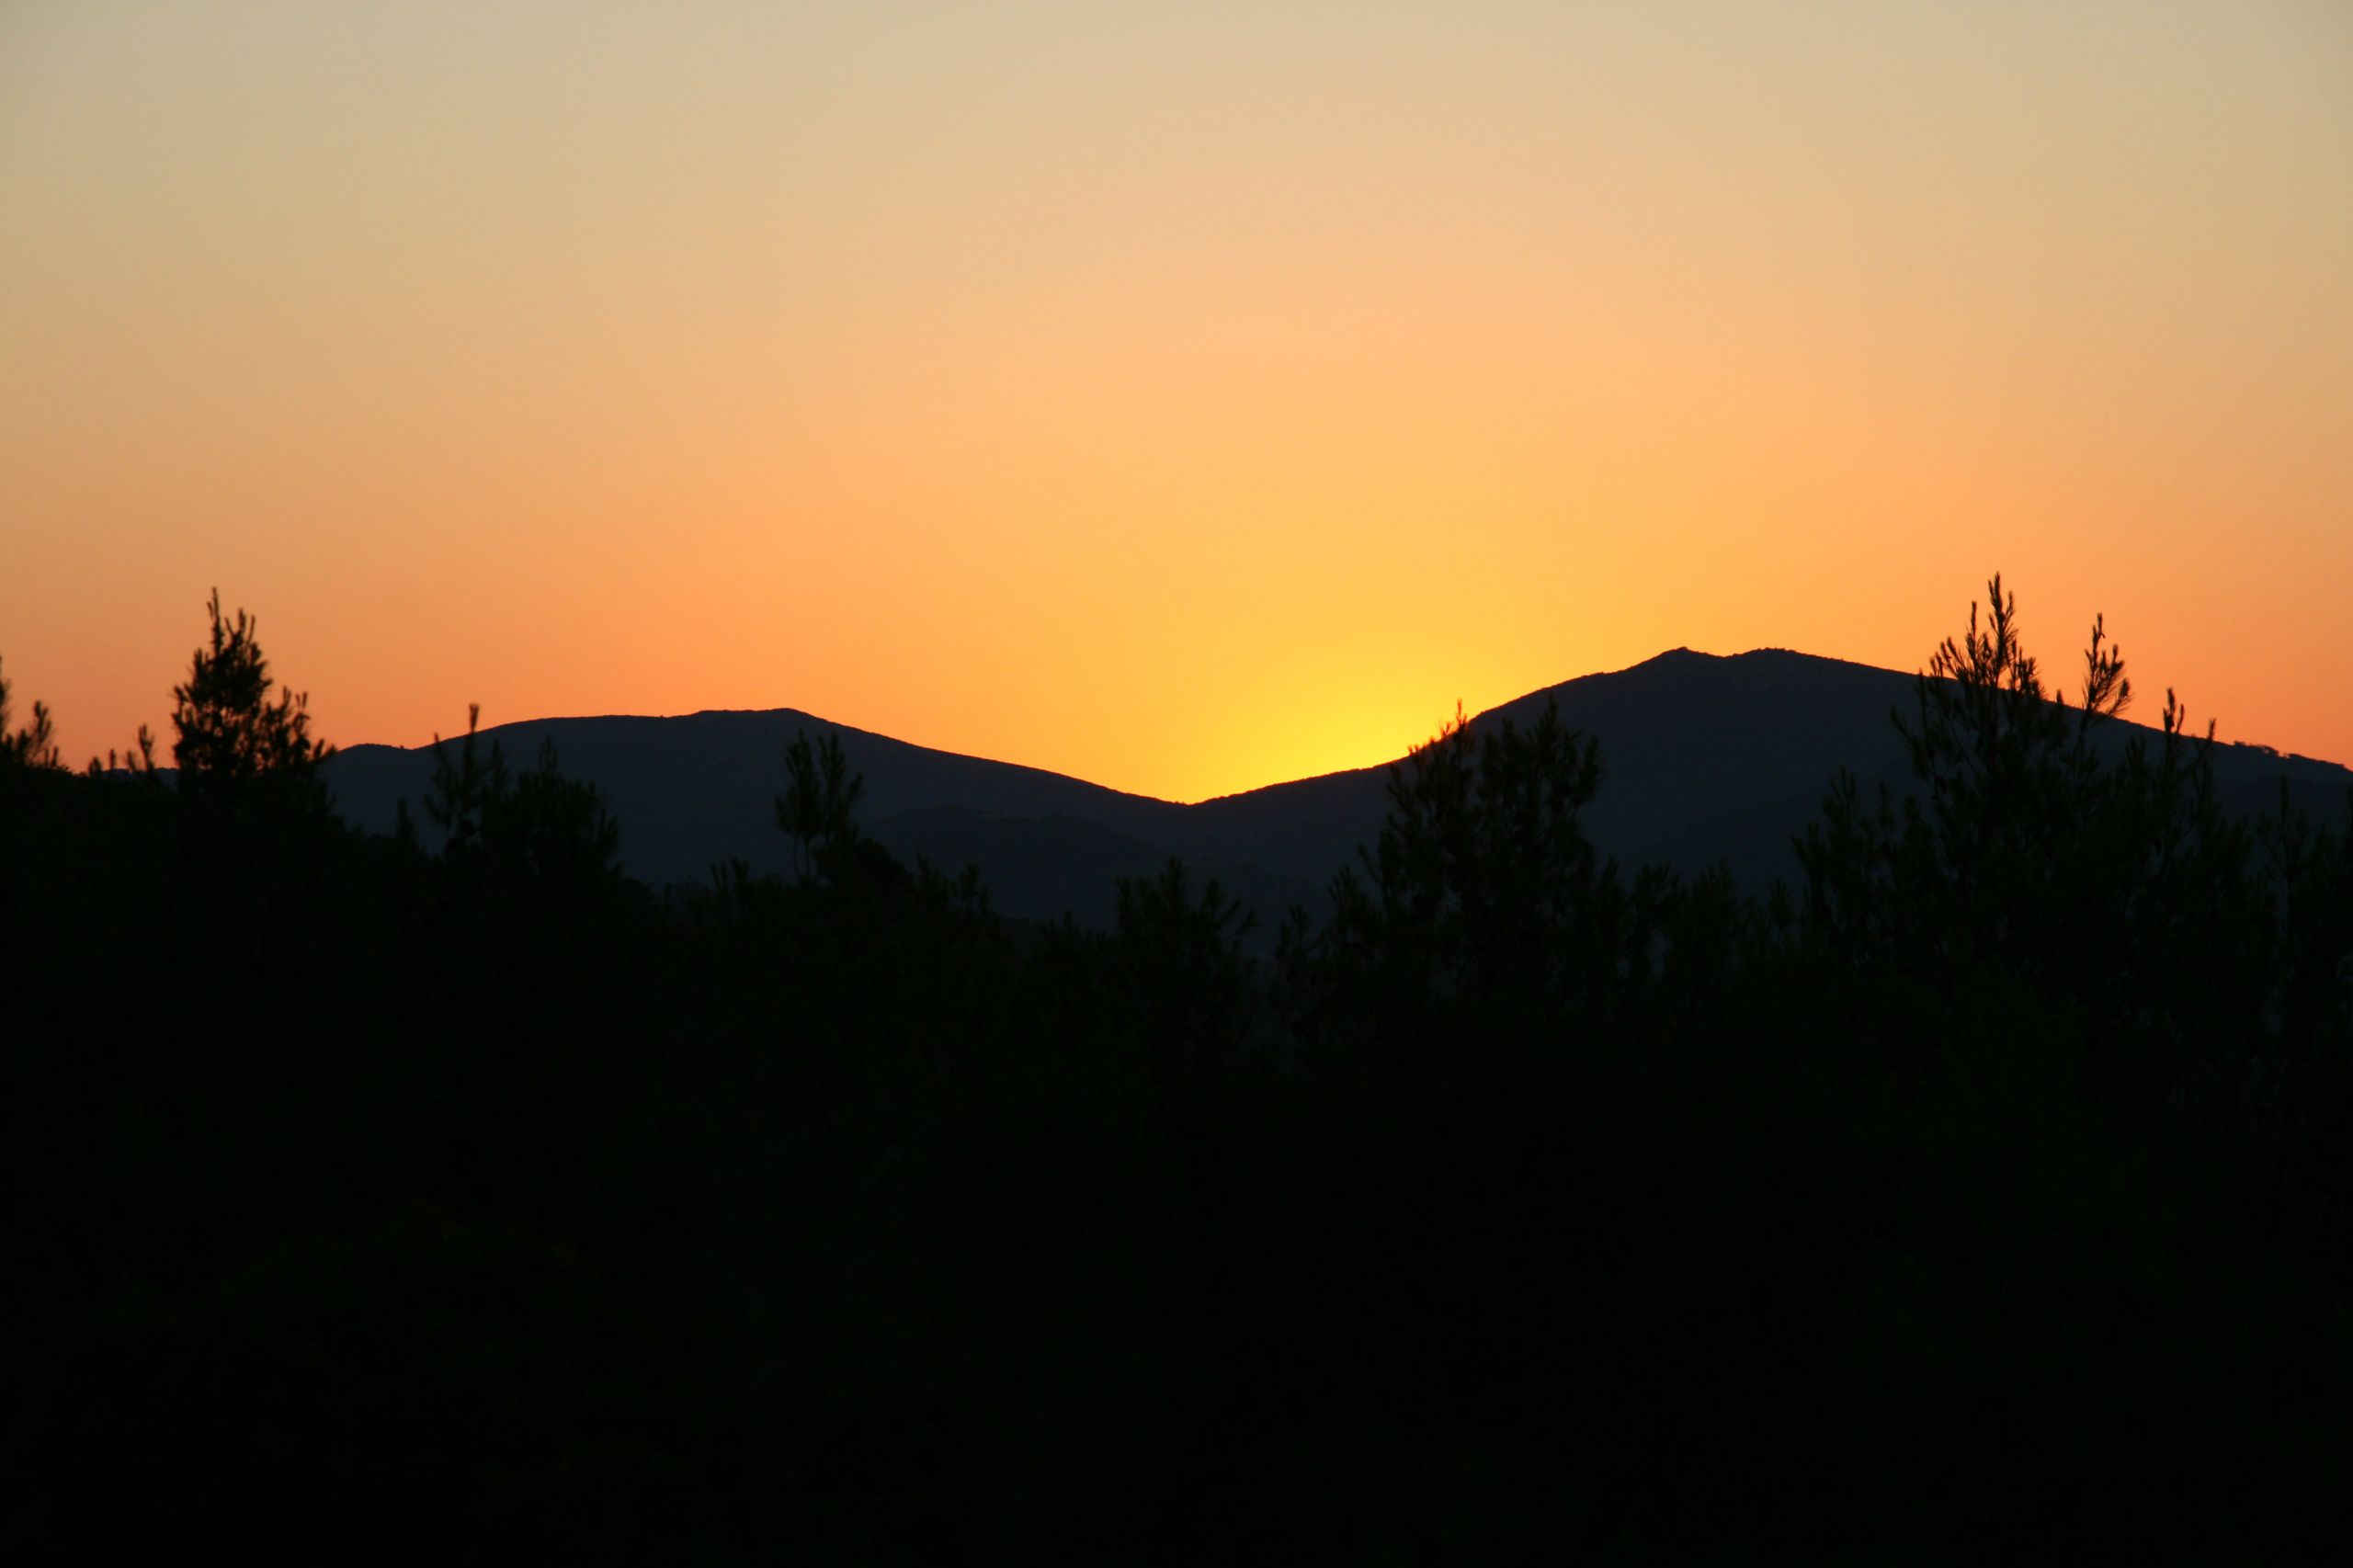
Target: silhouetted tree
x: 2106, y: 879
x: 1483, y: 887
x: 138, y: 759
x: 1999, y: 1200
x: 231, y: 735
x: 1179, y: 960
x: 820, y: 794
x: 535, y: 828
x: 464, y: 783
x: 34, y: 746
x: 553, y: 828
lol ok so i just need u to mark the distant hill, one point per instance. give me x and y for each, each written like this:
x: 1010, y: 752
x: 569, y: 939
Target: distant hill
x: 694, y: 792
x: 1706, y: 759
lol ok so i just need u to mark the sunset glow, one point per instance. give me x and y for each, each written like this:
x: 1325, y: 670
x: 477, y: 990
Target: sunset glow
x: 1183, y: 397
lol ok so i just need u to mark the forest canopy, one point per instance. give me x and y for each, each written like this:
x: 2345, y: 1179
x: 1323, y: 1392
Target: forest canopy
x: 1982, y: 1193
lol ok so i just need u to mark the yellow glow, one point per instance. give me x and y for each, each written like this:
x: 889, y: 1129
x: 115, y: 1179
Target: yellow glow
x: 1185, y: 398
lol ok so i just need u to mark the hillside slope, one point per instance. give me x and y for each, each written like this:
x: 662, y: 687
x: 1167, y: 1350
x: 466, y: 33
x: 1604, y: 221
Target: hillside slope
x: 1707, y: 760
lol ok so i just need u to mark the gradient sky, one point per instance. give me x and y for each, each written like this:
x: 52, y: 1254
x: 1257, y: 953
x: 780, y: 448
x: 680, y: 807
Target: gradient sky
x: 1184, y: 397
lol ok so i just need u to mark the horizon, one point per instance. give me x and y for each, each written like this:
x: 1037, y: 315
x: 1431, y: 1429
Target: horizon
x: 1183, y: 399
x: 2131, y: 715
x: 1398, y: 750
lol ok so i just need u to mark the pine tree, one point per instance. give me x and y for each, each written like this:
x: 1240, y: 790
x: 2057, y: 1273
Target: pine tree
x: 232, y: 735
x: 35, y: 745
x: 820, y: 794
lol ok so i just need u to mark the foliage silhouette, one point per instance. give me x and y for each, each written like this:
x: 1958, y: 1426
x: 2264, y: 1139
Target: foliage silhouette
x: 230, y: 735
x: 819, y: 798
x: 536, y: 827
x: 1483, y: 892
x: 34, y: 744
x: 2114, y: 884
x: 1986, y: 1200
x: 464, y: 784
x: 1179, y: 960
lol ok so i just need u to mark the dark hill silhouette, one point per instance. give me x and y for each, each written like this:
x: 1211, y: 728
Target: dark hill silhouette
x: 696, y: 791
x: 1701, y: 758
x: 1706, y: 759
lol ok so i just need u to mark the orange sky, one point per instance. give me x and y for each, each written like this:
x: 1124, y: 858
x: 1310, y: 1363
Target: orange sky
x: 1184, y: 397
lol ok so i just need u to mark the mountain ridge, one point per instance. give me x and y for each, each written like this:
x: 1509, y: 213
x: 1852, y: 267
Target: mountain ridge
x: 1707, y: 760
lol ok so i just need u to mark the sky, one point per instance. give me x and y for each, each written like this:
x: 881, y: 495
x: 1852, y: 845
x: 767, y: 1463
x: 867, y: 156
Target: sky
x: 1185, y: 397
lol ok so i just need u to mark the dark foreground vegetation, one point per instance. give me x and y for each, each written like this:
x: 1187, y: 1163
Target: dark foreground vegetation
x: 1987, y: 1196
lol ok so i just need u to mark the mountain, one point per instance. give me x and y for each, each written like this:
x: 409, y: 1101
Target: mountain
x: 1706, y: 759
x: 694, y: 792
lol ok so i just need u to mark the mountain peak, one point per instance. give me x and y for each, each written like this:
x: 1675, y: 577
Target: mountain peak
x: 1708, y: 759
